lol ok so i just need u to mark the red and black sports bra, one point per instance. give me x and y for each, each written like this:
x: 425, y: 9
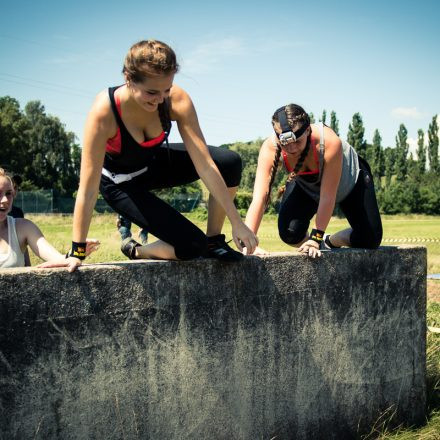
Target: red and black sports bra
x: 114, y: 144
x: 123, y: 153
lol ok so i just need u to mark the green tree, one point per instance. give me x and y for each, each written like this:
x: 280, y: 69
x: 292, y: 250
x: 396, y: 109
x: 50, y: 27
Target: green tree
x: 324, y: 116
x: 433, y: 145
x: 312, y: 117
x: 13, y: 142
x: 334, y: 123
x: 248, y: 152
x: 421, y: 152
x: 376, y: 160
x: 389, y: 157
x: 401, y: 153
x: 355, y: 136
x: 55, y: 158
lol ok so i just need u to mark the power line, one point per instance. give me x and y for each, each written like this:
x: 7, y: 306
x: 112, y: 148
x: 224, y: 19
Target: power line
x: 46, y: 88
x: 47, y: 83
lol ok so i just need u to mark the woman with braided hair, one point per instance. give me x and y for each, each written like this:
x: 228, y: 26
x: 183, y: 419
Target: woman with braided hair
x: 126, y: 154
x: 323, y: 170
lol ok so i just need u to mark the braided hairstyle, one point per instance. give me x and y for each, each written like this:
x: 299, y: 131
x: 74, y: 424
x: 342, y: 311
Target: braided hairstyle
x: 297, y: 118
x: 149, y: 58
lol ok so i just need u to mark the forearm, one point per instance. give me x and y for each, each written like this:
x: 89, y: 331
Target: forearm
x: 84, y: 204
x: 324, y: 214
x: 254, y: 215
x: 46, y: 251
x: 213, y: 180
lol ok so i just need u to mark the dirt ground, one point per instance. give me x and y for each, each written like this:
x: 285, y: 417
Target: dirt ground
x: 434, y: 290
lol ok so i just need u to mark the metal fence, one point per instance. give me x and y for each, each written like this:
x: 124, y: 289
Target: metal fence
x: 35, y: 202
x: 44, y: 201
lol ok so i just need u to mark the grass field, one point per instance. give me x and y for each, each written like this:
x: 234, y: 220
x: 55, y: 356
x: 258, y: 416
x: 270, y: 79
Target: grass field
x: 413, y: 229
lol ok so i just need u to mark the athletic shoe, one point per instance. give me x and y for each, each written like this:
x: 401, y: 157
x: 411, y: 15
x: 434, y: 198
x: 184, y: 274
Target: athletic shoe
x: 128, y: 248
x: 218, y: 248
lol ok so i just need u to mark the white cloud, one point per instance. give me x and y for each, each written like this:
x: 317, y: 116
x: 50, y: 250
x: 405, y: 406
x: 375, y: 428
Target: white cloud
x: 412, y: 147
x: 406, y: 112
x: 208, y: 55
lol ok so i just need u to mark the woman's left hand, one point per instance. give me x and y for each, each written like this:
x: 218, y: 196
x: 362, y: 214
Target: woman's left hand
x: 310, y: 248
x: 244, y: 238
x: 71, y: 263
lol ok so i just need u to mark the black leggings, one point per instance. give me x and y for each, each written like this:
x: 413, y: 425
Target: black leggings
x: 360, y: 208
x: 136, y: 202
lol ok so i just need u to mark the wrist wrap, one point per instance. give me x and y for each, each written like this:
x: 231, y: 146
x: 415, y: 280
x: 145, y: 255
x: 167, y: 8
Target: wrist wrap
x: 317, y: 235
x: 78, y: 250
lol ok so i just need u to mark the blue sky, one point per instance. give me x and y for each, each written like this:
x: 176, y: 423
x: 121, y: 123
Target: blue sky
x: 239, y: 60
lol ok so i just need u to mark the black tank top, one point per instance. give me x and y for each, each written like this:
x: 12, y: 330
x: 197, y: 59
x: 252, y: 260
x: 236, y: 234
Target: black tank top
x: 133, y: 156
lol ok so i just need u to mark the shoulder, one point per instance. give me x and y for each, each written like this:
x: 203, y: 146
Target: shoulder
x: 101, y: 111
x: 268, y: 150
x: 180, y: 102
x: 24, y: 228
x: 331, y: 140
x: 23, y: 224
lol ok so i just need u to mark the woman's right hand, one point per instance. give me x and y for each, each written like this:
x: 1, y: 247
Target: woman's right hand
x: 92, y: 245
x: 244, y: 238
x: 258, y: 252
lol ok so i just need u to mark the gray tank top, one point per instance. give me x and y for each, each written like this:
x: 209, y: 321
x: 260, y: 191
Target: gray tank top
x: 14, y: 257
x: 349, y: 175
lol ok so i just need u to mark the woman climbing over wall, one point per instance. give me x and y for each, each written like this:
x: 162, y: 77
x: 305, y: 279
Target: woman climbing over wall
x: 323, y: 170
x: 126, y: 154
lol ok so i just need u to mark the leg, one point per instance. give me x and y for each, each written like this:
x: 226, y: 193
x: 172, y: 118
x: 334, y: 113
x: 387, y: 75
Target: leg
x: 124, y: 227
x: 216, y: 214
x: 178, y: 237
x: 230, y: 167
x: 178, y: 169
x: 181, y: 170
x: 143, y: 236
x: 297, y: 209
x: 362, y: 212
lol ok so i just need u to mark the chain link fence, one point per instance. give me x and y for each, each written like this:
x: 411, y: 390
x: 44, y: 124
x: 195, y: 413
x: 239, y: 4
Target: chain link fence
x: 44, y: 201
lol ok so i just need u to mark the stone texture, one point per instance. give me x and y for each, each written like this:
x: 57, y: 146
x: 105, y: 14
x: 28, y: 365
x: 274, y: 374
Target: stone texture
x: 276, y: 347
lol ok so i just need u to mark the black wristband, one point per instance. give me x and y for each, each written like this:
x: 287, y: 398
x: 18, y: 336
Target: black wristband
x: 78, y: 250
x: 317, y: 235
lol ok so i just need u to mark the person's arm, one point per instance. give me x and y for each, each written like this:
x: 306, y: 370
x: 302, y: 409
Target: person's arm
x: 257, y: 207
x: 100, y: 126
x: 330, y: 181
x: 183, y: 111
x: 29, y: 234
x: 329, y: 188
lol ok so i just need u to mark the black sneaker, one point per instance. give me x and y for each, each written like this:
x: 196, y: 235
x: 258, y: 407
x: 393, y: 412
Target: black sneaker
x: 128, y: 248
x: 218, y: 248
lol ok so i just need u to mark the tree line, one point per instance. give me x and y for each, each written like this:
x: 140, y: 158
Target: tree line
x: 38, y: 147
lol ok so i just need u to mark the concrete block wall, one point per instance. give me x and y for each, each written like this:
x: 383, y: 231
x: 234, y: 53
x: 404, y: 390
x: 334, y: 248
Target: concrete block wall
x: 276, y: 347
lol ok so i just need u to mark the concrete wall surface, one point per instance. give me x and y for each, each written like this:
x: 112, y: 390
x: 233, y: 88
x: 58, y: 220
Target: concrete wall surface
x: 281, y: 347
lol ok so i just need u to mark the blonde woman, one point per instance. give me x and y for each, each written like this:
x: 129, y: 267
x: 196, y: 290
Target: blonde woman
x: 17, y: 234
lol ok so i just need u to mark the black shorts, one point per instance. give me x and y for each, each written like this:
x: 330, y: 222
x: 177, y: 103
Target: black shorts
x: 135, y: 201
x: 360, y: 207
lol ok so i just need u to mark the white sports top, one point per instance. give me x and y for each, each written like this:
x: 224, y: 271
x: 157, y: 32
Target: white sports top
x: 14, y: 257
